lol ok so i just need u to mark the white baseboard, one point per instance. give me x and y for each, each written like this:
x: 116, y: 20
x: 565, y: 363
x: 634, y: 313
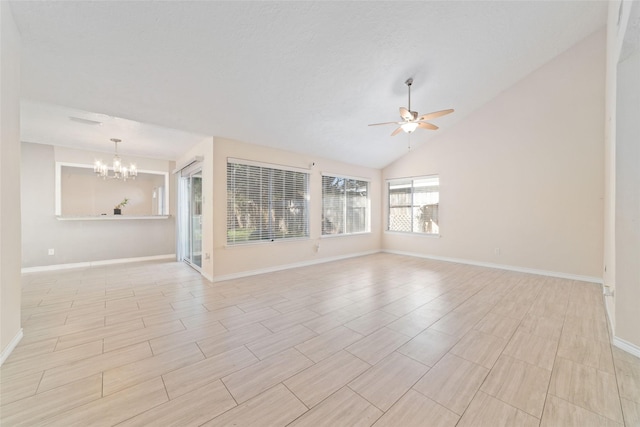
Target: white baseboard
x: 288, y: 266
x: 610, y: 319
x: 502, y: 267
x: 207, y: 276
x: 89, y: 264
x: 626, y: 346
x: 9, y: 348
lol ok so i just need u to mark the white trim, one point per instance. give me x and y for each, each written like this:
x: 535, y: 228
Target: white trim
x: 607, y: 300
x: 626, y: 346
x: 207, y: 276
x: 58, y: 189
x: 188, y: 163
x: 89, y: 264
x: 412, y: 178
x: 414, y: 234
x: 289, y: 266
x: 58, y: 183
x: 267, y: 165
x: 246, y: 243
x: 110, y: 217
x: 343, y: 176
x: 9, y: 348
x: 338, y: 235
x: 561, y: 275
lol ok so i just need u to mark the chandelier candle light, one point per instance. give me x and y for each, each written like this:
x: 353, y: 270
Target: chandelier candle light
x: 119, y: 171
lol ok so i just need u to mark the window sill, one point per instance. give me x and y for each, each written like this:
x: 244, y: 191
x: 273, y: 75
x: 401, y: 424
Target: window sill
x: 109, y: 217
x: 266, y: 242
x: 333, y: 236
x: 406, y: 233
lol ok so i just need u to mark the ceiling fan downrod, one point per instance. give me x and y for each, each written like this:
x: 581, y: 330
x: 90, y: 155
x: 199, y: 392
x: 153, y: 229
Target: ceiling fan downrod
x: 409, y: 82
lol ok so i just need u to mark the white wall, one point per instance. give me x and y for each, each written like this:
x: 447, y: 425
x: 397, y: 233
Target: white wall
x: 622, y: 174
x: 524, y: 173
x: 82, y: 241
x: 242, y: 259
x: 10, y: 289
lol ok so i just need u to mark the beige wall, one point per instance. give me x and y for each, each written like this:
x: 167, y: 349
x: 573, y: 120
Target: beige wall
x: 240, y: 259
x: 622, y: 175
x: 10, y: 289
x: 81, y: 241
x: 524, y: 173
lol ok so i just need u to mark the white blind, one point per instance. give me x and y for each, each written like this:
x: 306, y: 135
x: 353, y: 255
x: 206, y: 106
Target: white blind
x: 265, y: 203
x: 345, y: 205
x: 414, y: 205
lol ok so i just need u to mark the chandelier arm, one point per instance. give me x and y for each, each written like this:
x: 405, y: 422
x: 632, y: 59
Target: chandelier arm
x: 120, y: 171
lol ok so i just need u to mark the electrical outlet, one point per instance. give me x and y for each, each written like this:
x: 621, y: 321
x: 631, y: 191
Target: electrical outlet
x: 496, y: 251
x: 52, y: 251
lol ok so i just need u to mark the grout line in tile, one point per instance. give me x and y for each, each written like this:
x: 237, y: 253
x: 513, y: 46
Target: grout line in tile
x: 232, y: 396
x: 39, y: 382
x: 296, y: 396
x: 555, y: 357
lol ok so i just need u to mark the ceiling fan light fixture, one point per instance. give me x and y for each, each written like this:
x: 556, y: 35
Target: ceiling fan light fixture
x: 409, y: 127
x: 411, y: 120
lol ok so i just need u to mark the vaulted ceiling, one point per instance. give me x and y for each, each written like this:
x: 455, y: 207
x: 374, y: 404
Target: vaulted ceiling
x: 300, y: 76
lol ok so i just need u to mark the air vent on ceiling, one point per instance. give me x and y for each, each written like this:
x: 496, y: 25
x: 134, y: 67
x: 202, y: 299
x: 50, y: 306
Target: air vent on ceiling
x: 85, y: 121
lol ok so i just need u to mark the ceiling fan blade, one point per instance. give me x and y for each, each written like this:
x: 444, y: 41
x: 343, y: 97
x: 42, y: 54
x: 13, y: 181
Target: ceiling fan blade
x: 405, y: 114
x: 385, y: 123
x: 435, y: 114
x: 424, y: 125
x: 395, y: 132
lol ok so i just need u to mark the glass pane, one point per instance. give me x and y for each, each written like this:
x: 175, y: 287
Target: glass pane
x: 426, y: 196
x: 265, y: 203
x: 333, y: 205
x: 400, y: 206
x: 414, y: 204
x: 357, y: 202
x: 196, y: 219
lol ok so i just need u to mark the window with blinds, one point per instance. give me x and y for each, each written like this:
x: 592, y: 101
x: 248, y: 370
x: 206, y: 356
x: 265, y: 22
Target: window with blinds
x: 345, y: 205
x: 265, y: 203
x: 413, y: 205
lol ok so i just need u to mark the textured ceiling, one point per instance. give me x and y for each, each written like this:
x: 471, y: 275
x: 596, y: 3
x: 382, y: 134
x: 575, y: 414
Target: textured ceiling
x: 301, y: 76
x: 69, y: 127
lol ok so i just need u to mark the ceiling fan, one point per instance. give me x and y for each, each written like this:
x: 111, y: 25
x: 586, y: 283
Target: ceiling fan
x: 410, y: 120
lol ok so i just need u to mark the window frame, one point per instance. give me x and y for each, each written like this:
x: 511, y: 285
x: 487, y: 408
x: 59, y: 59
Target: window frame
x: 345, y: 204
x: 272, y: 170
x: 412, y: 181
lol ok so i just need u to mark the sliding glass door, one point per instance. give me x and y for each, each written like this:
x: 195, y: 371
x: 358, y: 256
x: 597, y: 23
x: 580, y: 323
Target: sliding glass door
x: 190, y: 229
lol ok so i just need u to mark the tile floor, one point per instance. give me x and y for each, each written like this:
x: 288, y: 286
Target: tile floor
x: 382, y: 340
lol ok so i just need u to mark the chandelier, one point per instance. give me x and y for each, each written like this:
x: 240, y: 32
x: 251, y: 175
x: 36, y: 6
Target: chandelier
x: 119, y: 171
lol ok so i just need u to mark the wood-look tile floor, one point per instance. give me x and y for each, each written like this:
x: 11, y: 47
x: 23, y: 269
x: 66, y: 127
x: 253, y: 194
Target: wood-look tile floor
x: 381, y: 340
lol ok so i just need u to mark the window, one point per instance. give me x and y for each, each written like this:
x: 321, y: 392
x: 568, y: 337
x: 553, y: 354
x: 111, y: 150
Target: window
x: 345, y: 205
x: 413, y: 205
x: 265, y: 203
